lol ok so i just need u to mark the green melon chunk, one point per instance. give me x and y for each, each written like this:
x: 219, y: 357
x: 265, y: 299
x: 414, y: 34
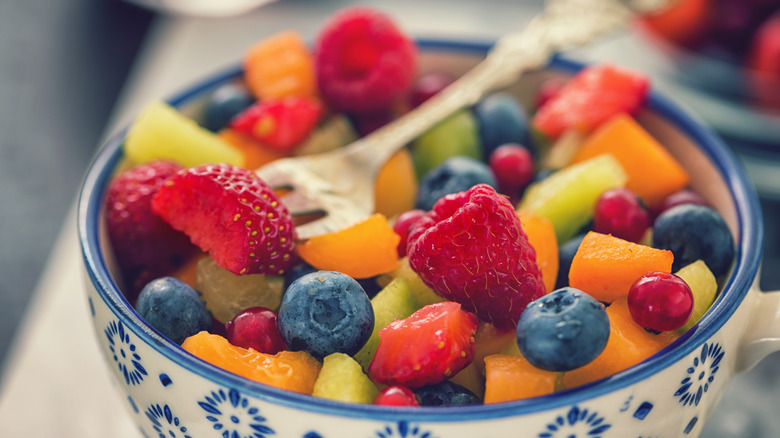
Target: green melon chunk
x: 423, y: 294
x: 457, y: 135
x: 395, y: 301
x: 704, y: 287
x: 227, y: 294
x: 333, y: 133
x: 568, y: 197
x: 342, y: 379
x: 161, y: 132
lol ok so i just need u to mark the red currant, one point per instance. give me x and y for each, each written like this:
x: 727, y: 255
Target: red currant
x: 684, y: 196
x: 428, y: 85
x: 513, y: 167
x: 256, y: 328
x: 619, y: 212
x: 402, y: 226
x: 660, y: 301
x: 396, y: 396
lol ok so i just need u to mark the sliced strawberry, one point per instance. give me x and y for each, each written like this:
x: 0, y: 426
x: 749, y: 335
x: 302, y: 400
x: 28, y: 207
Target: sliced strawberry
x: 232, y: 214
x: 145, y: 246
x: 593, y: 96
x: 280, y: 123
x: 426, y: 348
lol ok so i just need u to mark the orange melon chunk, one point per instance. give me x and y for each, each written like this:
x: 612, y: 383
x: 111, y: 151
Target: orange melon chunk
x: 396, y: 185
x: 255, y: 154
x: 653, y: 173
x: 280, y: 66
x: 360, y: 251
x: 509, y: 377
x: 541, y: 235
x: 628, y: 345
x: 489, y: 340
x: 605, y: 266
x: 293, y: 371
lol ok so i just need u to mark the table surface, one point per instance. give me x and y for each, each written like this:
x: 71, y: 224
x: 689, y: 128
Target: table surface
x: 55, y: 383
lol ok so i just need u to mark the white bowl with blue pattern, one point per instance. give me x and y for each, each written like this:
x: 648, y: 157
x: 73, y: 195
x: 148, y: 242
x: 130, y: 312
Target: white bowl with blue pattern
x: 170, y: 393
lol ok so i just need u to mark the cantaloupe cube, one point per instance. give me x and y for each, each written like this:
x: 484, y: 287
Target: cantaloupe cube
x: 396, y: 185
x: 280, y: 66
x: 255, y: 154
x: 653, y: 173
x: 291, y: 370
x: 510, y: 378
x: 489, y: 340
x: 628, y: 345
x: 541, y: 235
x: 605, y: 266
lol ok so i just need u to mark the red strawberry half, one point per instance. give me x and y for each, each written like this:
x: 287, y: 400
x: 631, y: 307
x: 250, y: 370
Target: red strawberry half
x: 426, y: 348
x: 232, y: 214
x: 593, y: 96
x: 472, y: 249
x: 145, y: 246
x: 279, y: 123
x: 363, y: 61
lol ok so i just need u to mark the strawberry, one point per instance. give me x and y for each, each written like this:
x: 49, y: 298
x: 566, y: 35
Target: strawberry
x: 593, y: 96
x: 145, y: 246
x: 472, y: 249
x: 442, y: 337
x: 232, y: 214
x: 281, y: 124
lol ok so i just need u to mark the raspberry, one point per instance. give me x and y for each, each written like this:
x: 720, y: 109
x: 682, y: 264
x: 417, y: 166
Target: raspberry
x: 232, y: 214
x: 443, y: 339
x: 145, y: 246
x: 472, y: 249
x: 363, y: 61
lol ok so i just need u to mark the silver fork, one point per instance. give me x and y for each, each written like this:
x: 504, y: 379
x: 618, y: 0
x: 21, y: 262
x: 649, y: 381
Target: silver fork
x: 337, y: 187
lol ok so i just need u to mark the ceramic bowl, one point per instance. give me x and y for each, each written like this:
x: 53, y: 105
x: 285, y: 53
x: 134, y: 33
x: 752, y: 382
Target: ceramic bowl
x: 170, y: 393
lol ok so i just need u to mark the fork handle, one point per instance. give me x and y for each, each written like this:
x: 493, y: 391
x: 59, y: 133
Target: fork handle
x: 564, y: 23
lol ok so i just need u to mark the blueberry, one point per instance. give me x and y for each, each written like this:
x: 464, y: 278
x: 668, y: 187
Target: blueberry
x: 694, y: 232
x: 456, y: 174
x: 173, y: 308
x: 224, y: 103
x: 563, y: 330
x: 446, y: 393
x: 501, y: 120
x: 326, y: 312
x: 565, y: 256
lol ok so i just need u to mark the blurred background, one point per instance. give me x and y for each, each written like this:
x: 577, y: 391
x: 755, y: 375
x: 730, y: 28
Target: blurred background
x: 71, y: 71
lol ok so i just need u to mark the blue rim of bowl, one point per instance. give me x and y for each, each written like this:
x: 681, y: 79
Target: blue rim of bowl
x: 748, y: 257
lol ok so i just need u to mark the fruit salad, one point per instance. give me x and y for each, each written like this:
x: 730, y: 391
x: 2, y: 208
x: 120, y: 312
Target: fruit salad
x: 515, y: 250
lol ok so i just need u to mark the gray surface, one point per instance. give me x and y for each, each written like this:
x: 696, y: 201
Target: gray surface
x: 62, y: 64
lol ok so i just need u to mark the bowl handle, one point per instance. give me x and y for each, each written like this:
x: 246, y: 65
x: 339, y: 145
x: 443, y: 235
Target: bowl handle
x: 762, y: 336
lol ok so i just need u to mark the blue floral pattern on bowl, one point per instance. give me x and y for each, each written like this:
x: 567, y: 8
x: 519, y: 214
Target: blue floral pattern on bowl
x: 576, y: 423
x: 124, y: 353
x: 231, y: 413
x: 403, y: 429
x: 700, y: 374
x: 165, y: 423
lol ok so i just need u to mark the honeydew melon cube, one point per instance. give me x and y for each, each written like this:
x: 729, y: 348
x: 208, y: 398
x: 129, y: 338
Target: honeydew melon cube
x: 160, y: 132
x: 394, y: 301
x: 704, y: 287
x: 342, y: 379
x: 568, y: 197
